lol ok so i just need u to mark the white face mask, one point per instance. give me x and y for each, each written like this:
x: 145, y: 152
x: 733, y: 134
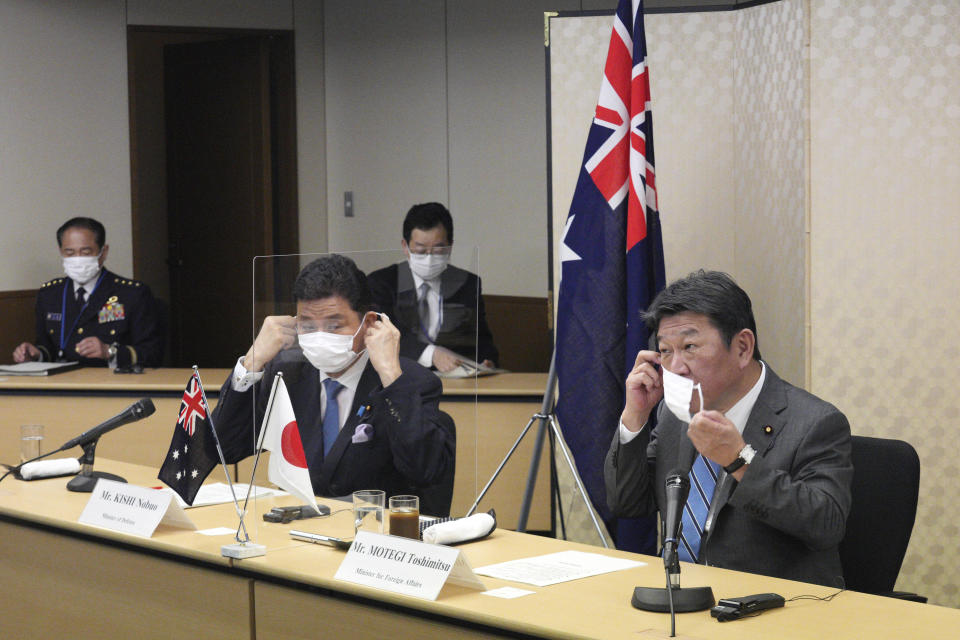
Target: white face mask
x: 428, y: 266
x: 81, y: 269
x: 330, y: 352
x: 677, y: 394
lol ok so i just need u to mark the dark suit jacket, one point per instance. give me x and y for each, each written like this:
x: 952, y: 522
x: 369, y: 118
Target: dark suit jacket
x: 788, y: 515
x: 119, y: 310
x: 412, y: 451
x: 464, y: 328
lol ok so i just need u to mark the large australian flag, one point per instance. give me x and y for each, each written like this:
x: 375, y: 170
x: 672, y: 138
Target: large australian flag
x: 612, y: 263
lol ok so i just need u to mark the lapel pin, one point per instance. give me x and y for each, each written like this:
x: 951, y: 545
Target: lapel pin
x: 767, y: 429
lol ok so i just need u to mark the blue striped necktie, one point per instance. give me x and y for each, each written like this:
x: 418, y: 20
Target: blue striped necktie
x: 703, y: 481
x: 331, y: 416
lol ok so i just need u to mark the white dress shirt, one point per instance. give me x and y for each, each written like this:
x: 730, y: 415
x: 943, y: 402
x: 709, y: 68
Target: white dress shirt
x: 350, y: 379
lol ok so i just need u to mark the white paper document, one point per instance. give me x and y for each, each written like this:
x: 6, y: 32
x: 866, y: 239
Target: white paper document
x: 219, y: 493
x: 554, y: 568
x: 469, y: 368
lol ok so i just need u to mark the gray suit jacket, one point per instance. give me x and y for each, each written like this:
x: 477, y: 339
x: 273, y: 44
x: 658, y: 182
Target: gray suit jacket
x: 788, y: 515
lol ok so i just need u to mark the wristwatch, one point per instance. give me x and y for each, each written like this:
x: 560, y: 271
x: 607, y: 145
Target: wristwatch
x: 112, y: 353
x: 745, y: 457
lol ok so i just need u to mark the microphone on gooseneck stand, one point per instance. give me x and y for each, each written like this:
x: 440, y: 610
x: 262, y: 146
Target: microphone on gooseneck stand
x: 672, y: 598
x: 137, y: 411
x: 677, y: 489
x: 87, y: 479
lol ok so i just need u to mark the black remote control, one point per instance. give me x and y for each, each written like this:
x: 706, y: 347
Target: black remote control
x: 735, y: 608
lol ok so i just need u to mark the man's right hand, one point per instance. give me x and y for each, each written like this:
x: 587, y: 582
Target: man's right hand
x: 445, y: 360
x: 276, y: 334
x: 26, y: 352
x: 644, y: 389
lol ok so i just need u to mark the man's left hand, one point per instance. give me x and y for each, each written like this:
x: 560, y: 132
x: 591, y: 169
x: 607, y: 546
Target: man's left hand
x: 716, y: 438
x: 382, y: 340
x: 92, y: 347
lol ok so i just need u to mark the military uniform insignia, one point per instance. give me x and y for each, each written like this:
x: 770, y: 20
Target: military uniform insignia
x: 53, y: 317
x: 111, y: 311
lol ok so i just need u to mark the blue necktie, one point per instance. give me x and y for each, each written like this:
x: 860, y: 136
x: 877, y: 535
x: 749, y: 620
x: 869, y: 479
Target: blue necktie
x: 331, y: 417
x: 703, y: 481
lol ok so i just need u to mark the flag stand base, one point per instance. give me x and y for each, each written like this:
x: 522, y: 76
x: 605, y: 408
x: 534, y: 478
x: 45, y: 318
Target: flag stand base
x: 243, y: 550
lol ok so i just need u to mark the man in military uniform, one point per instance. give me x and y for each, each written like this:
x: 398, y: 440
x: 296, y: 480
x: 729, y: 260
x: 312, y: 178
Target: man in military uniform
x: 93, y: 316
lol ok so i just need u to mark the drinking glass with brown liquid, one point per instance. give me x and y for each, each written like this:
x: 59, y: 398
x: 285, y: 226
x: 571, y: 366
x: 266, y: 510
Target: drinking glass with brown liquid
x: 405, y: 516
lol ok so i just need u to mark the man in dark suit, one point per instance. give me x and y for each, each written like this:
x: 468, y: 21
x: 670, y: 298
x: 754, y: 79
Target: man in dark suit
x: 93, y: 316
x: 437, y: 307
x: 386, y: 430
x: 780, y: 456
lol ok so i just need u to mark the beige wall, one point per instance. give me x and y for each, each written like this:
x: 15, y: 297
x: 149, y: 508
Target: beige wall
x: 441, y: 100
x: 64, y: 132
x: 885, y: 236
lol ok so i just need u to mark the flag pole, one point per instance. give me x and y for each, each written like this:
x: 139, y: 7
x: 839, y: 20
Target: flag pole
x: 223, y: 461
x: 260, y: 436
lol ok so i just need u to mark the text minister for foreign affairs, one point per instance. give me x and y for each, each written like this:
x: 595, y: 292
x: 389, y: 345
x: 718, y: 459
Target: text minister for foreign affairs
x: 92, y: 315
x: 770, y: 490
x: 386, y: 430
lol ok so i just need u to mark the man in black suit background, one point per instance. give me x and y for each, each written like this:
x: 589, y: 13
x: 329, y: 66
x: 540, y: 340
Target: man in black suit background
x: 781, y: 457
x: 93, y: 316
x: 437, y: 306
x: 387, y: 431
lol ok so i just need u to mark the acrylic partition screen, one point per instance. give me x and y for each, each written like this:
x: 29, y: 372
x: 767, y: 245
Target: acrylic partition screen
x: 356, y: 315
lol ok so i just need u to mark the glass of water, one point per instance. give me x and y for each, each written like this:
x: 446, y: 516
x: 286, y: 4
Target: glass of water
x: 368, y: 510
x: 31, y: 439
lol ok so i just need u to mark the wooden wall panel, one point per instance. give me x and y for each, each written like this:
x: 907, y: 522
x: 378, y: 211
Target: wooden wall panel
x: 521, y: 331
x: 16, y: 320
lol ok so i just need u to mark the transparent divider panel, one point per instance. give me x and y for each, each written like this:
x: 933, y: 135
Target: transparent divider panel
x: 287, y: 320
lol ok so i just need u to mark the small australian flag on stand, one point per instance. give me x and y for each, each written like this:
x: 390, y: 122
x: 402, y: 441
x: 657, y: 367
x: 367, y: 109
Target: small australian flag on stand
x: 193, y: 449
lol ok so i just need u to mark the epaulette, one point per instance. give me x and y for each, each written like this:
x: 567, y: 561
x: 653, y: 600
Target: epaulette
x: 127, y: 282
x: 50, y: 283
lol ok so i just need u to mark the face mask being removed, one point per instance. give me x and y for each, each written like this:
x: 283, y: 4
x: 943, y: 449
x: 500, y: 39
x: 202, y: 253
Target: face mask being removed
x: 428, y: 266
x: 677, y: 394
x: 330, y: 352
x: 81, y: 269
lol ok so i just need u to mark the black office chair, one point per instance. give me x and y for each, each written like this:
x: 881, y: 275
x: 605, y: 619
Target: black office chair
x: 436, y: 499
x: 886, y: 482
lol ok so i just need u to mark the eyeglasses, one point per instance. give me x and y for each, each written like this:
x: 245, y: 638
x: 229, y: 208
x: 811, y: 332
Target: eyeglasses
x: 310, y: 326
x: 330, y: 325
x: 440, y: 250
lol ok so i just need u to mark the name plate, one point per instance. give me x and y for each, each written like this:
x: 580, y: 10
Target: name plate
x: 127, y: 508
x: 406, y: 566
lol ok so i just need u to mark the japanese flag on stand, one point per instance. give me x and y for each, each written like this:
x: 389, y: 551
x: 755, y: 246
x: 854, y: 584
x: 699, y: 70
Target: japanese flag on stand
x: 280, y: 436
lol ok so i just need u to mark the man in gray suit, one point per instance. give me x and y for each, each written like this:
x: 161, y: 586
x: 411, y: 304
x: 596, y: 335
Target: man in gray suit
x: 780, y: 456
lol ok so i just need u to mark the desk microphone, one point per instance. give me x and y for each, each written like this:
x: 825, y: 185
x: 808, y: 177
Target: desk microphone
x: 672, y: 598
x: 137, y: 411
x: 677, y: 489
x: 87, y: 480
